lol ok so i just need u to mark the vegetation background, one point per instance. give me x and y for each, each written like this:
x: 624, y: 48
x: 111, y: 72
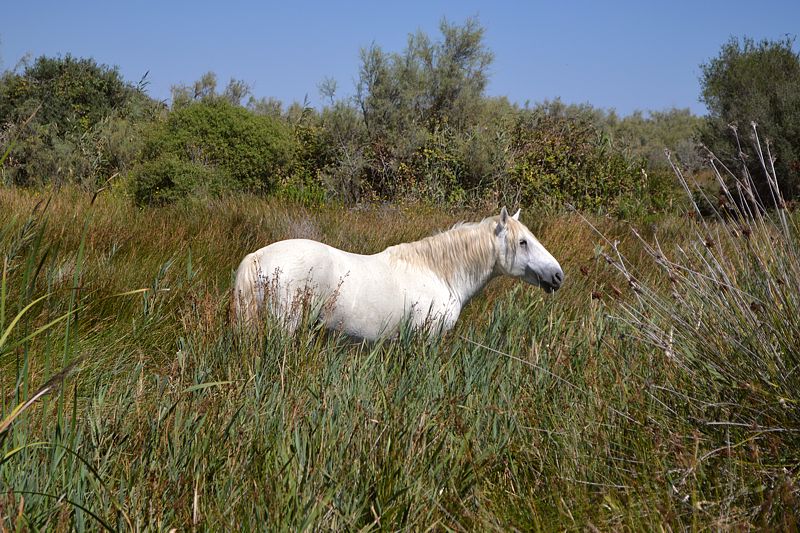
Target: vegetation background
x: 659, y: 388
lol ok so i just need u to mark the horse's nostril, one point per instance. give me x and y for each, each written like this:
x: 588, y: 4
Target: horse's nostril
x: 558, y: 278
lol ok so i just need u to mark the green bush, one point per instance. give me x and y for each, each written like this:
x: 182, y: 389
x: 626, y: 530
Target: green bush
x: 341, y: 160
x: 71, y: 93
x: 645, y: 136
x: 70, y: 120
x: 562, y: 161
x: 435, y: 174
x: 167, y: 179
x: 304, y: 183
x: 412, y: 102
x: 254, y: 152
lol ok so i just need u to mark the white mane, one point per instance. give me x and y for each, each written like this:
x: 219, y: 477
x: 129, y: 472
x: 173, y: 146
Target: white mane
x: 463, y: 254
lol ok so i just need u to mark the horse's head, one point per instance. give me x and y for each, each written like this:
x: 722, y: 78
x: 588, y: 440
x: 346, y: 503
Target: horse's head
x: 521, y: 255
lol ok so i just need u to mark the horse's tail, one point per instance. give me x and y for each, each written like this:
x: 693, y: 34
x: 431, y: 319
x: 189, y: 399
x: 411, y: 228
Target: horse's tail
x: 244, y: 300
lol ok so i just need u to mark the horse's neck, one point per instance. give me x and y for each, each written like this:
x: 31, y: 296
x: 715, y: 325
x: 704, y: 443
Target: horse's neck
x: 469, y: 282
x: 463, y: 258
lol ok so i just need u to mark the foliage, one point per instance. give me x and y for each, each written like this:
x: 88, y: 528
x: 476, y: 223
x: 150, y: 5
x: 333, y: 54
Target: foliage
x: 71, y: 120
x: 430, y: 134
x: 71, y: 94
x: 562, y: 161
x: 429, y: 84
x: 341, y: 151
x: 243, y: 151
x: 169, y: 179
x: 755, y: 82
x: 419, y: 129
x: 640, y: 135
x: 409, y: 100
x: 646, y: 137
x: 298, y: 179
x: 205, y: 90
x: 304, y: 183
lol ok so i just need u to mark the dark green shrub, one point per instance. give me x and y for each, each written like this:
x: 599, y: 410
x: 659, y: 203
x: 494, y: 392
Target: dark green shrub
x: 409, y: 101
x: 340, y: 151
x: 168, y: 179
x: 255, y: 152
x: 304, y: 183
x: 302, y: 189
x: 435, y: 174
x: 70, y: 120
x: 646, y: 135
x: 71, y: 93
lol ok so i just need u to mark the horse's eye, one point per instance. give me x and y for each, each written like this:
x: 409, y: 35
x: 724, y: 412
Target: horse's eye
x: 523, y: 242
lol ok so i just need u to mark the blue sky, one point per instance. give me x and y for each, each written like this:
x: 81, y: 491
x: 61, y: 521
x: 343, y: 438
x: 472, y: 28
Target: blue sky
x: 624, y: 55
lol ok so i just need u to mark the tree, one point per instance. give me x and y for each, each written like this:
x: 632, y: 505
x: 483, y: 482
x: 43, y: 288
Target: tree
x: 755, y: 82
x: 70, y: 93
x: 561, y: 159
x: 646, y: 136
x: 70, y: 119
x: 431, y: 82
x: 205, y: 90
x: 419, y: 104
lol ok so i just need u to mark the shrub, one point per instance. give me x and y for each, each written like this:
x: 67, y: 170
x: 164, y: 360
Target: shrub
x: 434, y: 173
x: 71, y: 93
x: 757, y: 82
x: 562, y: 161
x: 410, y: 102
x: 304, y: 183
x: 340, y: 151
x: 254, y: 152
x: 645, y: 136
x: 70, y: 120
x: 168, y: 179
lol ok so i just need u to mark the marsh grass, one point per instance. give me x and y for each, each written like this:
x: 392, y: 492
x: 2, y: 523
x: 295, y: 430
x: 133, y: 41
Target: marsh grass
x: 728, y: 324
x: 537, y: 412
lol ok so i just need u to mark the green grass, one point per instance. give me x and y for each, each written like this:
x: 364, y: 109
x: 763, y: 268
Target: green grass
x: 537, y: 412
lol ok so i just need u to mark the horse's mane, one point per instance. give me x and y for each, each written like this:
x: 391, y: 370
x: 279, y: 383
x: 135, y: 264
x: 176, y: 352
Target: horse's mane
x: 465, y: 251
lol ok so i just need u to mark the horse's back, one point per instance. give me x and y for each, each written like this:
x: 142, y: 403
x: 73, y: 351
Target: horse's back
x: 363, y: 295
x: 293, y: 257
x: 288, y: 271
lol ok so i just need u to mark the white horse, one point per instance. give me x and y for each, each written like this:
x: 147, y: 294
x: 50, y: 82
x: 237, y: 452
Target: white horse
x: 426, y: 282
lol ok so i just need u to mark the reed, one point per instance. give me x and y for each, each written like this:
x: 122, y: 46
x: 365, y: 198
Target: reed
x: 615, y: 403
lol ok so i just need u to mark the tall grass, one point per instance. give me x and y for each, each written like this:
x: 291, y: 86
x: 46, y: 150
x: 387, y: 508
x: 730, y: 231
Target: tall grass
x: 612, y: 404
x: 726, y: 320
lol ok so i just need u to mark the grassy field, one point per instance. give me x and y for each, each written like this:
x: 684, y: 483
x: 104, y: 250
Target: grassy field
x: 658, y: 389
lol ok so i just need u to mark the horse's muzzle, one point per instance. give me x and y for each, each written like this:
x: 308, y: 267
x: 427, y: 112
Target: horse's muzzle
x: 550, y: 281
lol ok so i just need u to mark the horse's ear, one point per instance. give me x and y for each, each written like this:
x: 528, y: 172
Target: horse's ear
x: 504, y: 215
x: 515, y: 216
x: 501, y: 224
